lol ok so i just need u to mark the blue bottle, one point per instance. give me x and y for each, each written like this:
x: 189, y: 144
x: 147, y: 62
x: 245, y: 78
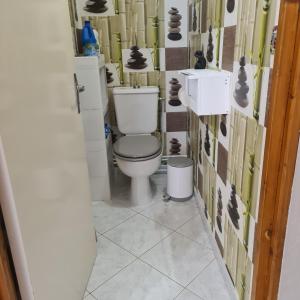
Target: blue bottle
x: 107, y: 130
x: 89, y: 42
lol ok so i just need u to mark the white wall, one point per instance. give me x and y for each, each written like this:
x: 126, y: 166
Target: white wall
x: 289, y: 288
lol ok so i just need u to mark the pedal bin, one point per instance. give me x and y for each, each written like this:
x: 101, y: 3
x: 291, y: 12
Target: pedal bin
x: 180, y: 178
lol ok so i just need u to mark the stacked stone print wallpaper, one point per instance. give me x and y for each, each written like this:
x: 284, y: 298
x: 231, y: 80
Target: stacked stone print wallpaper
x: 238, y: 36
x: 146, y: 42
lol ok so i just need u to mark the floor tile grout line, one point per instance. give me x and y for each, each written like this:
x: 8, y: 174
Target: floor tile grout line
x: 180, y: 292
x: 155, y: 221
x: 189, y: 238
x: 147, y: 207
x: 138, y: 256
x: 184, y: 286
x: 169, y: 234
x: 185, y: 289
x: 137, y: 211
x: 172, y: 231
x: 111, y: 277
x: 165, y: 227
x: 116, y: 225
x: 137, y: 259
x: 160, y: 272
x: 208, y: 264
x: 92, y: 296
x: 197, y: 215
x: 161, y: 223
x: 194, y: 217
x: 141, y: 213
x: 119, y: 246
x: 86, y: 294
x: 140, y: 259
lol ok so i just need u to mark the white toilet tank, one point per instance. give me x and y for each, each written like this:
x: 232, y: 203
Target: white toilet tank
x: 136, y: 109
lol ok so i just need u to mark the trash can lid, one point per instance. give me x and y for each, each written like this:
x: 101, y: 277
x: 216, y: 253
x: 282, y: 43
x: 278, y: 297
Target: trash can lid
x: 180, y: 162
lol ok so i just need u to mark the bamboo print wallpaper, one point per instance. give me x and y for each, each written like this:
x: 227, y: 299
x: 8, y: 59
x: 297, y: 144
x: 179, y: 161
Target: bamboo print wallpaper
x: 145, y: 42
x: 238, y: 36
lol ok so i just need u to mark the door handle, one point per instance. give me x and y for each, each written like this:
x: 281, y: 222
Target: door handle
x: 78, y: 89
x: 81, y: 88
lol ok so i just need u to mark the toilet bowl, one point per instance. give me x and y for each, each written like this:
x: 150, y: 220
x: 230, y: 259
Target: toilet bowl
x: 138, y: 153
x: 138, y: 162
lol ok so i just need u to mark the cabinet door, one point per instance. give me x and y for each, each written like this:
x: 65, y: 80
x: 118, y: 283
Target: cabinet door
x: 43, y: 142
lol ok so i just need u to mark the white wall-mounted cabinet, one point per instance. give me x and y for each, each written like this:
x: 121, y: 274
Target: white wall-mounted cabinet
x: 93, y: 99
x: 206, y: 92
x: 91, y: 70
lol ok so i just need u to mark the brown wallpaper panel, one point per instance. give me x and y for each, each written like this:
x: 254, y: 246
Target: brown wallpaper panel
x: 176, y: 121
x: 228, y: 48
x: 222, y: 162
x: 177, y: 58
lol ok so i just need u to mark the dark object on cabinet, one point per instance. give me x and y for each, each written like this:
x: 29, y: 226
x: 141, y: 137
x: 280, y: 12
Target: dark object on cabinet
x: 201, y: 61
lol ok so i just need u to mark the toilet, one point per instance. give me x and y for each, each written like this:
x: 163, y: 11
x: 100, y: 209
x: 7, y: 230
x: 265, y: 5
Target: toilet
x: 138, y: 153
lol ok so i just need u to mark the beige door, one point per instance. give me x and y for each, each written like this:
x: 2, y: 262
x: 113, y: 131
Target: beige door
x: 43, y: 144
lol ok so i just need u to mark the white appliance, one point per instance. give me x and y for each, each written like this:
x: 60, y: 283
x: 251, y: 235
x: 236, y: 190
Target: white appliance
x: 138, y: 153
x: 206, y: 92
x: 93, y: 103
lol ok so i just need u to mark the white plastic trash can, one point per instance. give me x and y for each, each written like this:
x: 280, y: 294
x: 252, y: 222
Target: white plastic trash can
x: 180, y: 178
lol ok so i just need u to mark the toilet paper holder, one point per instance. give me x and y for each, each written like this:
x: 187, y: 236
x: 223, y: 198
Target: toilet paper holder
x: 206, y: 92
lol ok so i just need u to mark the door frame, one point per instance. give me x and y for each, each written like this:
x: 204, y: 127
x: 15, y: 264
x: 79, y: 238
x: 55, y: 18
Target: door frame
x: 8, y: 281
x: 280, y: 155
x: 13, y: 231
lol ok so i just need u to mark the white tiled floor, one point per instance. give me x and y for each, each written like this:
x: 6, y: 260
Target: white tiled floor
x: 187, y: 295
x: 171, y: 214
x: 159, y: 251
x: 110, y: 260
x: 206, y: 288
x: 194, y: 229
x: 179, y: 258
x: 138, y: 234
